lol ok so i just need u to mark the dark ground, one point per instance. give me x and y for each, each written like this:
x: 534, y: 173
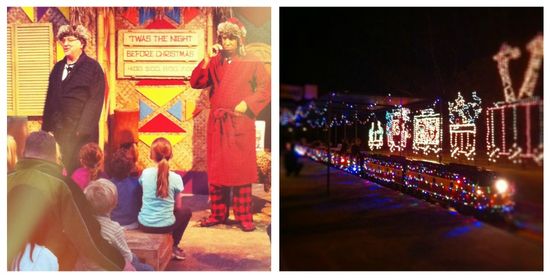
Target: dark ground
x: 364, y: 226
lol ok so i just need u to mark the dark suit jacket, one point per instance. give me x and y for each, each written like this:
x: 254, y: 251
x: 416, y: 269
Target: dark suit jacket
x: 74, y: 104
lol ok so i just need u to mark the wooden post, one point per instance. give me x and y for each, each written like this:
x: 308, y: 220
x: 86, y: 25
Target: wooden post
x: 101, y: 59
x: 329, y: 117
x: 112, y: 64
x: 209, y: 31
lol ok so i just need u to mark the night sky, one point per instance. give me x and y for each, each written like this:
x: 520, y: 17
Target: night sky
x: 424, y: 52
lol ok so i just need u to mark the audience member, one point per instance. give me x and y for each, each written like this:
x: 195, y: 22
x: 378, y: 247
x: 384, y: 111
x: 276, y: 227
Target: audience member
x: 91, y: 160
x: 128, y: 188
x: 102, y: 195
x: 34, y: 256
x: 161, y: 188
x: 35, y: 188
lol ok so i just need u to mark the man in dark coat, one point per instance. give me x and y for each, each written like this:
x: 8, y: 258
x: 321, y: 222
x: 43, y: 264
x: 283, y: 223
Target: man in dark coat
x: 75, y: 96
x: 240, y: 89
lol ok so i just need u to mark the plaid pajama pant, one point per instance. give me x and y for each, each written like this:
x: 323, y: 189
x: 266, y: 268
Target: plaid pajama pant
x: 242, y: 202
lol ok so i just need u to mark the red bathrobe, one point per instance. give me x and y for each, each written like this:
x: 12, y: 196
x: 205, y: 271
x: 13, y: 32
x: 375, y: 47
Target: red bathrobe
x: 231, y: 137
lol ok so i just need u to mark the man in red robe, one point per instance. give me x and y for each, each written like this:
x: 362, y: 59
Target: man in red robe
x: 240, y: 89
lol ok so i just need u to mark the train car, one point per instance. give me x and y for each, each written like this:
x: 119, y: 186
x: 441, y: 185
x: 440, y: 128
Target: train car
x: 347, y: 162
x: 384, y: 169
x: 461, y: 186
x: 464, y: 187
x: 317, y: 154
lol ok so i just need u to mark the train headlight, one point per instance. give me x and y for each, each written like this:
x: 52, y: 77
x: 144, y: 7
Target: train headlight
x: 501, y: 186
x: 300, y: 150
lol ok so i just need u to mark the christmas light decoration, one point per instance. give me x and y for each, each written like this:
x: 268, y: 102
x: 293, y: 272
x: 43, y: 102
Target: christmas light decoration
x: 462, y: 119
x: 481, y: 190
x: 397, y: 128
x: 376, y: 136
x: 503, y: 137
x: 428, y: 137
x: 458, y: 186
x: 303, y: 113
x: 383, y: 169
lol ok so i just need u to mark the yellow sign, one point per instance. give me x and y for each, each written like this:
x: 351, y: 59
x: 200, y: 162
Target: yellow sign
x: 161, y: 53
x: 158, y: 69
x: 160, y: 37
x: 170, y: 53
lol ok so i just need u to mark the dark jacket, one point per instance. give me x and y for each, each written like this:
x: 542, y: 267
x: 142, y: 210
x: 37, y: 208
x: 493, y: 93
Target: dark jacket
x: 36, y: 190
x: 75, y: 104
x: 130, y: 195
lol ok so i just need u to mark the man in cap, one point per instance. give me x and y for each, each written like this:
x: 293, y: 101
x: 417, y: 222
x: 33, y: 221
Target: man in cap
x: 75, y: 96
x: 240, y: 89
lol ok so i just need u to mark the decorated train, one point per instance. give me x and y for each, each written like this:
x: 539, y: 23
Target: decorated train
x: 466, y: 188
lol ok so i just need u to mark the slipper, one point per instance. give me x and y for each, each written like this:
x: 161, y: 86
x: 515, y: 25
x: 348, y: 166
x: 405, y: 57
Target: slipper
x: 248, y: 227
x: 207, y: 222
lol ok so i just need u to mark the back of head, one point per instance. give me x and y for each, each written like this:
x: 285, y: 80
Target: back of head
x: 41, y: 145
x: 161, y: 152
x: 102, y: 195
x: 161, y: 149
x: 122, y: 163
x: 132, y: 150
x: 91, y: 157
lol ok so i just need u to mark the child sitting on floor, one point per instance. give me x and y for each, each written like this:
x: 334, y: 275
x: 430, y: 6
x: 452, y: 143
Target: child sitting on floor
x: 128, y: 188
x: 102, y: 195
x: 161, y: 188
x: 91, y: 159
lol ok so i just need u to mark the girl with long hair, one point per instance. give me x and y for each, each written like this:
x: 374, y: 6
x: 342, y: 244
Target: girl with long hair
x: 162, y: 210
x: 91, y: 160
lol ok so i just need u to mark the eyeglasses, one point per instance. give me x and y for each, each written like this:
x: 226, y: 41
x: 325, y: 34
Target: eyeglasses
x: 69, y: 39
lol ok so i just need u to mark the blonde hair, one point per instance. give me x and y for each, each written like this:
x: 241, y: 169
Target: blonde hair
x: 12, y: 153
x: 102, y: 195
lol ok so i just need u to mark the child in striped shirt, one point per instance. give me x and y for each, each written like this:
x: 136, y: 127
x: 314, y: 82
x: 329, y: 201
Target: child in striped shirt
x: 102, y: 195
